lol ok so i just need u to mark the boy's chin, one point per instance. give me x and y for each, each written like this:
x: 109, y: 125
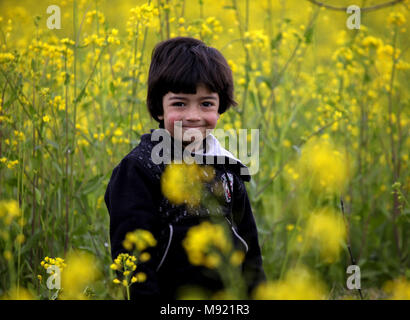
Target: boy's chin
x: 196, y: 141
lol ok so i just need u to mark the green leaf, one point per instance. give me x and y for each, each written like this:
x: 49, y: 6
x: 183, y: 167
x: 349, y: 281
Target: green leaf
x: 33, y: 65
x: 309, y: 35
x: 80, y: 96
x: 39, y: 199
x: 92, y: 184
x: 264, y: 79
x: 274, y: 42
x: 67, y: 79
x: 57, y: 167
x: 112, y: 88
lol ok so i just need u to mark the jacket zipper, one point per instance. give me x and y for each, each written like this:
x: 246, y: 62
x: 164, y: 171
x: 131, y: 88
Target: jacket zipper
x: 171, y: 232
x: 237, y: 235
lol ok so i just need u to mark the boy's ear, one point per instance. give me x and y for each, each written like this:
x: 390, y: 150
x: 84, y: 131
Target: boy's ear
x: 160, y: 117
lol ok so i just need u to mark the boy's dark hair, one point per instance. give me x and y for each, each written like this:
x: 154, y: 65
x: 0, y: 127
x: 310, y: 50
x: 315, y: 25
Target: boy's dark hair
x: 179, y: 64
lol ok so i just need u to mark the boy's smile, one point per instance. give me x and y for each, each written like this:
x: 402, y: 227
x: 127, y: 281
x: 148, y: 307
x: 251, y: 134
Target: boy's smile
x: 190, y: 115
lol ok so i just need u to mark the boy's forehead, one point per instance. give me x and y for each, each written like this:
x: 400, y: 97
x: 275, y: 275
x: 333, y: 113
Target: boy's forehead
x: 200, y: 91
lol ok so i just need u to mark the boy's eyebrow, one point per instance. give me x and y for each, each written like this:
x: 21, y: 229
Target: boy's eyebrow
x: 184, y: 98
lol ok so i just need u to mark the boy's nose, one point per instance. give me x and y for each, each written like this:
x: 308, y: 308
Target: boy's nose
x: 192, y: 114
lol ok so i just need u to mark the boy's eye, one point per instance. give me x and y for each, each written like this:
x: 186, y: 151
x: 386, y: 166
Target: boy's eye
x: 208, y: 104
x: 177, y: 104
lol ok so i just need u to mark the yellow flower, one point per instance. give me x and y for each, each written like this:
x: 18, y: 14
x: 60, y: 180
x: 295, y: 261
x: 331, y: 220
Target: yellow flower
x: 396, y: 18
x: 46, y: 118
x: 145, y: 256
x: 141, y: 277
x: 18, y: 293
x: 12, y: 164
x: 324, y: 165
x: 203, y: 241
x: 6, y: 57
x: 398, y: 289
x: 7, y: 255
x: 20, y: 238
x: 298, y: 284
x: 9, y: 210
x: 182, y: 182
x: 81, y: 271
x: 140, y: 239
x: 237, y: 258
x: 326, y: 231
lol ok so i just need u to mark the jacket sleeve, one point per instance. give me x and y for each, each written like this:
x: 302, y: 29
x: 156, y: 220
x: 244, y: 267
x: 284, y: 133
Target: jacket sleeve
x: 245, y: 221
x: 131, y: 206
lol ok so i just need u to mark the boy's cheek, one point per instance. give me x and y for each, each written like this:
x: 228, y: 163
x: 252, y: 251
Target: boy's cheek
x: 213, y: 120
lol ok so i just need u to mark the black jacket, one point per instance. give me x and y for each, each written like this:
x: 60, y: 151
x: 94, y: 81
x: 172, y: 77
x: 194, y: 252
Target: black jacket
x: 135, y: 201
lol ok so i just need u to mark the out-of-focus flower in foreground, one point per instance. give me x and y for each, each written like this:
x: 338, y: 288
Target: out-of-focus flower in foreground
x: 139, y: 239
x: 326, y: 232
x: 398, y: 289
x: 207, y: 243
x: 9, y: 210
x: 298, y: 284
x: 80, y: 273
x: 18, y: 294
x: 183, y: 183
x: 324, y: 166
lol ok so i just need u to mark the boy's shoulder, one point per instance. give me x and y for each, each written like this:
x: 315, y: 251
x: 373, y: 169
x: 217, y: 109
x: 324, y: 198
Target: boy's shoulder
x: 140, y: 156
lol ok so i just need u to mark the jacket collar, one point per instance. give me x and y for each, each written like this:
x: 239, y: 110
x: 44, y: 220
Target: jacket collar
x: 211, y: 148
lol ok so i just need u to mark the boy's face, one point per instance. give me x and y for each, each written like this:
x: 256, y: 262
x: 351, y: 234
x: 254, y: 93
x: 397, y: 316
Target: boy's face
x: 196, y: 112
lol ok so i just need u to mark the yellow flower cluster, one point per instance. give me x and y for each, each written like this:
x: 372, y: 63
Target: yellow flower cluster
x: 396, y: 18
x: 182, y: 182
x: 58, y: 262
x: 371, y: 41
x: 139, y: 239
x: 343, y: 54
x: 126, y: 265
x: 324, y: 165
x: 95, y: 39
x: 211, y: 27
x: 141, y: 16
x: 257, y: 39
x: 52, y: 50
x: 9, y: 163
x: 91, y: 15
x: 58, y: 103
x: 206, y: 244
x: 398, y: 289
x: 326, y: 231
x: 208, y: 28
x: 6, y: 57
x: 80, y: 273
x: 9, y: 211
x: 298, y: 284
x: 18, y: 293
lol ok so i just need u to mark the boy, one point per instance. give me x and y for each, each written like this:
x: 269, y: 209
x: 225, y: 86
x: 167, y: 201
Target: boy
x: 189, y: 86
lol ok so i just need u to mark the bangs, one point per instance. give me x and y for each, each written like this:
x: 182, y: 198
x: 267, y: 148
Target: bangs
x: 187, y: 71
